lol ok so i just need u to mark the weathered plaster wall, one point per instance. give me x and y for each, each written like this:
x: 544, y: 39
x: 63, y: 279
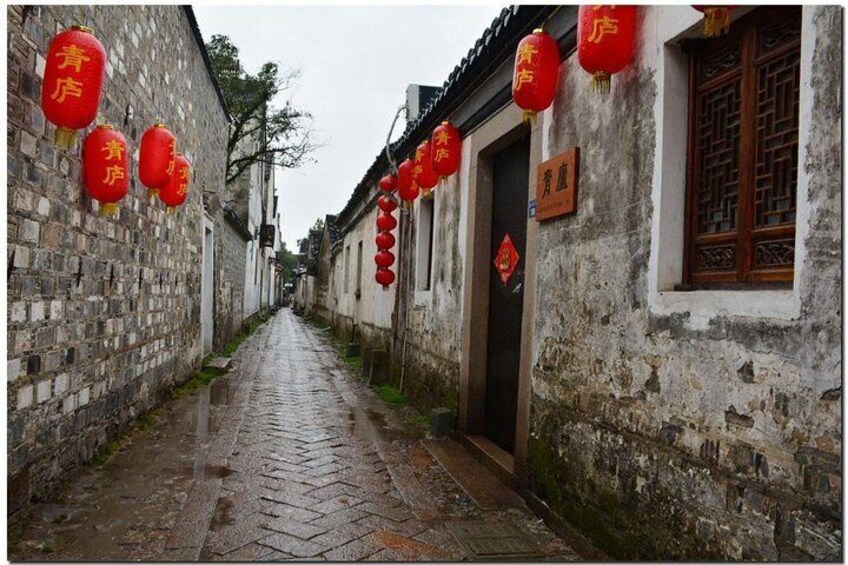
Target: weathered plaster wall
x: 104, y: 313
x: 657, y: 436
x: 432, y: 319
x: 372, y: 310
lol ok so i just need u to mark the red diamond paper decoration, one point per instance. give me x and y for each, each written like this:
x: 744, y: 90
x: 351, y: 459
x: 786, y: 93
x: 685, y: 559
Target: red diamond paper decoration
x: 506, y: 260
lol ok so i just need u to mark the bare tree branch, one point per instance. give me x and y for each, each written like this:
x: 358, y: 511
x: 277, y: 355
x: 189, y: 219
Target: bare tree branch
x: 259, y: 132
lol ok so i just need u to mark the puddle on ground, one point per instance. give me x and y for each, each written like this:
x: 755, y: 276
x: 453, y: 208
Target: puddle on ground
x: 124, y: 509
x: 366, y: 423
x: 220, y: 393
x: 206, y: 472
x: 221, y: 517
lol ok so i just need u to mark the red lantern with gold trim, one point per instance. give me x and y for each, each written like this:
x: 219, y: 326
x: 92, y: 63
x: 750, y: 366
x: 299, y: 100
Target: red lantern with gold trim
x: 384, y: 259
x: 386, y: 222
x: 106, y: 168
x: 407, y: 187
x: 387, y: 203
x: 384, y: 240
x: 605, y: 41
x: 156, y: 158
x: 423, y: 174
x: 174, y: 193
x: 388, y: 183
x: 716, y: 19
x: 73, y: 81
x: 446, y: 149
x: 385, y: 277
x: 534, y: 78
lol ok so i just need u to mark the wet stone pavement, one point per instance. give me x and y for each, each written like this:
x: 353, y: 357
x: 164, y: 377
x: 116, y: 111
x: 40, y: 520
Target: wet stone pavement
x: 287, y: 457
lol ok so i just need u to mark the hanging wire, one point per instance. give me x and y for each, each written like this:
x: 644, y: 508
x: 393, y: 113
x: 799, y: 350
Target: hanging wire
x: 400, y: 109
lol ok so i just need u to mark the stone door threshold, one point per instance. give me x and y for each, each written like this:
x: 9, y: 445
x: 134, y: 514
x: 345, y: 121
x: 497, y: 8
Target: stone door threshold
x: 481, y: 484
x: 492, y: 456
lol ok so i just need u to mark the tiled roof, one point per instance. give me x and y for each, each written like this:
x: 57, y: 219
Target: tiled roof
x: 332, y: 227
x: 493, y: 47
x: 233, y: 219
x: 189, y: 12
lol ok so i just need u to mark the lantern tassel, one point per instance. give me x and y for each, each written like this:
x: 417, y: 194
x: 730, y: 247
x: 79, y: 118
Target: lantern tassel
x: 170, y: 210
x: 529, y: 117
x: 153, y: 193
x: 108, y: 209
x: 64, y: 138
x: 601, y: 83
x: 716, y: 20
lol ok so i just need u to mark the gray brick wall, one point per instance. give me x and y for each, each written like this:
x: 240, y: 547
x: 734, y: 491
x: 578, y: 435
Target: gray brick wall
x: 230, y: 258
x: 103, y: 312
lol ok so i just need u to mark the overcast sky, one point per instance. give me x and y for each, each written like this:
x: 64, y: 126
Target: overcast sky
x: 355, y: 62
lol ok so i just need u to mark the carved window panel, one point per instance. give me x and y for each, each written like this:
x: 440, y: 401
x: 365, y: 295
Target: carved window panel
x: 743, y: 152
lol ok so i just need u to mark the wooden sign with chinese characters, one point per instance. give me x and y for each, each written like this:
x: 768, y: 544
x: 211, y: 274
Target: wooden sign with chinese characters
x: 556, y: 185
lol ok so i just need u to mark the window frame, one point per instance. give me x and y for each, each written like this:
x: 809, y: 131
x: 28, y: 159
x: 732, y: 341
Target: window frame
x: 745, y: 236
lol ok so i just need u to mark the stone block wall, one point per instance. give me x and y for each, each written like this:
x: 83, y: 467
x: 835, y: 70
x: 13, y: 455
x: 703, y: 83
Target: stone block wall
x: 103, y: 312
x: 230, y: 257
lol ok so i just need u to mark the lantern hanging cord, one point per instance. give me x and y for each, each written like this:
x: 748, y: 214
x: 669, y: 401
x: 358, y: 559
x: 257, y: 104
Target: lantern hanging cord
x: 551, y: 15
x: 400, y: 109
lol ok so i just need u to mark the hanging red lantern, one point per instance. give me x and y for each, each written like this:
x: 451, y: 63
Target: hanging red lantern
x: 156, y: 158
x: 384, y: 259
x: 384, y: 240
x: 385, y: 277
x: 423, y: 174
x: 387, y: 203
x: 605, y: 41
x: 105, y: 164
x: 73, y: 80
x: 446, y: 149
x: 174, y: 193
x: 388, y: 183
x: 386, y: 222
x: 716, y: 19
x: 407, y: 187
x: 534, y: 79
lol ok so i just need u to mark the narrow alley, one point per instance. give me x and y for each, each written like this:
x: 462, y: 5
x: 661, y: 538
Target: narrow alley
x: 289, y: 455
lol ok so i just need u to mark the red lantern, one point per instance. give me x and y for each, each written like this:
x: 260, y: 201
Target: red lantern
x: 385, y: 240
x: 73, y: 80
x: 156, y: 158
x: 174, y: 193
x: 446, y: 149
x: 534, y: 79
x: 386, y: 222
x: 386, y: 203
x: 716, y: 19
x: 388, y: 183
x: 605, y: 41
x: 384, y: 259
x: 423, y: 174
x: 385, y: 277
x: 105, y: 163
x: 407, y: 187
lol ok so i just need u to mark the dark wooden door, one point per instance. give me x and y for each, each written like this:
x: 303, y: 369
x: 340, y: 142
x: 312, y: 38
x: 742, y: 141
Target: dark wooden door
x: 506, y: 290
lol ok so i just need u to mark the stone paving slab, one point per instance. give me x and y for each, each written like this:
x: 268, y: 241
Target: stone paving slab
x: 303, y: 461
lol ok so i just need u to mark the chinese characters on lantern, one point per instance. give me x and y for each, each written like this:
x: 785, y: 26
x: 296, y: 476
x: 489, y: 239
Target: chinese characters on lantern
x: 605, y: 36
x: 447, y: 148
x: 534, y: 77
x: 105, y: 167
x: 73, y: 80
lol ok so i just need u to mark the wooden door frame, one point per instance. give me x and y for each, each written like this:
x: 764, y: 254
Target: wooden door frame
x: 501, y: 130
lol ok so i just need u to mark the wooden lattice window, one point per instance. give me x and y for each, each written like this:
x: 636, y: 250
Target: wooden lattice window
x: 743, y: 152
